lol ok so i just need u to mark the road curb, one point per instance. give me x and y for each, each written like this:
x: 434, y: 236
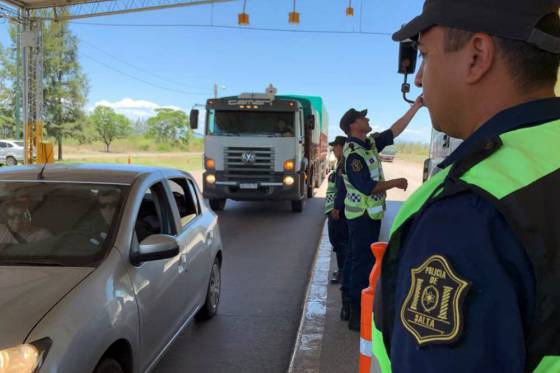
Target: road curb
x: 306, y: 356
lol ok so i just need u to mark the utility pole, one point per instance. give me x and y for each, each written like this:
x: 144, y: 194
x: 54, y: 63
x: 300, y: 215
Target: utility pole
x: 216, y: 88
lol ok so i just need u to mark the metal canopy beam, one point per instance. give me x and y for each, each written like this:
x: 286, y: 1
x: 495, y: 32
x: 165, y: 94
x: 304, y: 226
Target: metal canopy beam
x: 77, y: 9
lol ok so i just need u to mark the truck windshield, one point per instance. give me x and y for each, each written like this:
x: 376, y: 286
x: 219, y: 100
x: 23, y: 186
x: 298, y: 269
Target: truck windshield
x: 260, y: 123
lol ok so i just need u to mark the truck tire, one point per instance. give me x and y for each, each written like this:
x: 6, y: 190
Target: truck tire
x: 108, y: 365
x: 218, y: 204
x: 297, y: 206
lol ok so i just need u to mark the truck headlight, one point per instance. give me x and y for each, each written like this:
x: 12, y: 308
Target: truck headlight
x: 210, y: 164
x: 289, y: 165
x: 289, y: 181
x: 210, y: 179
x: 20, y: 359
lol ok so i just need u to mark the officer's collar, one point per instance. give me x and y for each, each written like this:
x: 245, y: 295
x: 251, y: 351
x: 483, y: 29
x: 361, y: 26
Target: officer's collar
x: 364, y: 144
x: 524, y: 115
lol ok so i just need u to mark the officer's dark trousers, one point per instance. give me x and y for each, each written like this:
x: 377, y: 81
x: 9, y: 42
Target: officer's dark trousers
x: 338, y: 236
x: 363, y: 231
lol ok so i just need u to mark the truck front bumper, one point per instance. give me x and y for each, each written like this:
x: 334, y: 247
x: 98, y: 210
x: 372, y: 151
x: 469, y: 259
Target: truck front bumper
x: 254, y: 190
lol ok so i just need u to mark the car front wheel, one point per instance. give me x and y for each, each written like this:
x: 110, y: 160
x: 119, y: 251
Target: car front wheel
x: 210, y: 307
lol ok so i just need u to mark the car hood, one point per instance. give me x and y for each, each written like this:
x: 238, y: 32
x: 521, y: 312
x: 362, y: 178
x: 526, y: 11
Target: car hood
x: 28, y: 293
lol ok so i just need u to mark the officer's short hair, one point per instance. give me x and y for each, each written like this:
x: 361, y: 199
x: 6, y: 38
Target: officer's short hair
x: 529, y: 66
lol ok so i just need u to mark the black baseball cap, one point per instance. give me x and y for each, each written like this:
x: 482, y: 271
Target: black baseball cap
x: 509, y: 19
x: 339, y: 140
x: 350, y: 117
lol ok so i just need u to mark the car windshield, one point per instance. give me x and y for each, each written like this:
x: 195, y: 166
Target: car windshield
x: 59, y: 224
x: 260, y: 123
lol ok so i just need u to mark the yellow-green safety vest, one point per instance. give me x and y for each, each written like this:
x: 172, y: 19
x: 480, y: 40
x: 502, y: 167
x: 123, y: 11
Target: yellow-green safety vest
x: 356, y: 203
x: 519, y: 172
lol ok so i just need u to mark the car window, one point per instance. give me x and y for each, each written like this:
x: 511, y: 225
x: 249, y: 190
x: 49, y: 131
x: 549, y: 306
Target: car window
x: 154, y: 216
x: 187, y: 206
x: 2, y: 144
x: 65, y: 224
x: 8, y: 145
x: 195, y: 196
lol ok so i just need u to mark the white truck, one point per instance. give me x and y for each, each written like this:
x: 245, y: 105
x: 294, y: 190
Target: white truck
x: 262, y: 146
x: 441, y: 146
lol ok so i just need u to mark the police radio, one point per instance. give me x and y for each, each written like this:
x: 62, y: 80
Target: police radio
x: 408, y: 54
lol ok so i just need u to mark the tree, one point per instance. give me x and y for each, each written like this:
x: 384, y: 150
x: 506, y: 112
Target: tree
x: 64, y: 85
x: 109, y: 125
x: 169, y: 125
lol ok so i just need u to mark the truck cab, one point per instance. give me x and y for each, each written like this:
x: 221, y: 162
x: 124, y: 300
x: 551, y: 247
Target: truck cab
x: 441, y: 146
x: 262, y: 147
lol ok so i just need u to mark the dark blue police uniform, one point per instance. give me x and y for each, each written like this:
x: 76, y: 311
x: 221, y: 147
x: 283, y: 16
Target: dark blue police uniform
x: 338, y: 229
x: 496, y: 314
x: 363, y: 231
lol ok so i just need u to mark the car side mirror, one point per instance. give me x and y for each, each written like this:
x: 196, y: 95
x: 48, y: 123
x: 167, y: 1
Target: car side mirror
x: 155, y: 247
x: 193, y: 119
x: 311, y: 121
x: 408, y: 55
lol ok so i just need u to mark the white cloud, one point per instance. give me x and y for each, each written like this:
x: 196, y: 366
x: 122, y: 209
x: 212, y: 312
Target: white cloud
x: 133, y: 109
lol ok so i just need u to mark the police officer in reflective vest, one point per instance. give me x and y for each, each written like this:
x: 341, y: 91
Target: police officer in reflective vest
x: 334, y: 209
x: 364, y: 205
x: 470, y: 279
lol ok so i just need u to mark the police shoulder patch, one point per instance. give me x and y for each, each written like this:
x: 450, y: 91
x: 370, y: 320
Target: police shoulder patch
x: 433, y: 309
x: 357, y: 165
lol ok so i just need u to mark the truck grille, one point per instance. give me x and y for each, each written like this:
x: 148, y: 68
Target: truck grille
x: 249, y: 163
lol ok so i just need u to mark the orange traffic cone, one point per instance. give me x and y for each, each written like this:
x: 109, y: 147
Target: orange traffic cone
x: 368, y: 295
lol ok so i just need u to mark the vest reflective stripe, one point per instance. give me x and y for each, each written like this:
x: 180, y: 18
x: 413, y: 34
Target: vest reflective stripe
x: 527, y: 159
x: 549, y: 364
x: 331, y: 193
x: 356, y: 203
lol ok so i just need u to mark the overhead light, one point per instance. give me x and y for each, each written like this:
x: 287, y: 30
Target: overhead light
x: 243, y: 17
x: 349, y: 9
x: 293, y: 17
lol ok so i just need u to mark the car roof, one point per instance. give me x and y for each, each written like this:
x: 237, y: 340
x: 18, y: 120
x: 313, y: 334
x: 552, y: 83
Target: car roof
x: 84, y: 173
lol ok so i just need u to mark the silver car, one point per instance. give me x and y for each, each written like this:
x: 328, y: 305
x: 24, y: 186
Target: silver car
x: 11, y: 152
x: 101, y: 266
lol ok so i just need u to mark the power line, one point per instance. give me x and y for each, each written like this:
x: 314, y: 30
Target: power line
x: 143, y: 80
x: 377, y: 33
x: 119, y: 59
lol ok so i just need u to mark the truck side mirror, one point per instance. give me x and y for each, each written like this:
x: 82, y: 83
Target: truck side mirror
x: 311, y: 121
x: 408, y: 55
x: 193, y: 119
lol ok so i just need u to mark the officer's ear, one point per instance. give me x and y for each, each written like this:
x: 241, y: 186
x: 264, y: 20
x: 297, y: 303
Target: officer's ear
x: 481, y: 55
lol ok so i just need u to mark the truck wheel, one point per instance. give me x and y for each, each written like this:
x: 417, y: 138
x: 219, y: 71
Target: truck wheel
x: 297, y: 206
x: 218, y: 204
x: 108, y: 365
x: 10, y: 161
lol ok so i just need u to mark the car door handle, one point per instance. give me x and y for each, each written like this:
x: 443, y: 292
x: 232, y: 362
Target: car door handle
x: 209, y: 238
x: 183, y: 263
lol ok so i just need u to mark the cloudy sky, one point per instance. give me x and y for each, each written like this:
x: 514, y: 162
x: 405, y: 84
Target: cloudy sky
x: 172, y: 58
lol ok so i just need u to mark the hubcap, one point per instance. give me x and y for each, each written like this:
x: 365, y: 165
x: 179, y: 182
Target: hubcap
x: 214, y: 290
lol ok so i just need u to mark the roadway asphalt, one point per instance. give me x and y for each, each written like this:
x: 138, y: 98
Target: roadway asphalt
x: 268, y: 254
